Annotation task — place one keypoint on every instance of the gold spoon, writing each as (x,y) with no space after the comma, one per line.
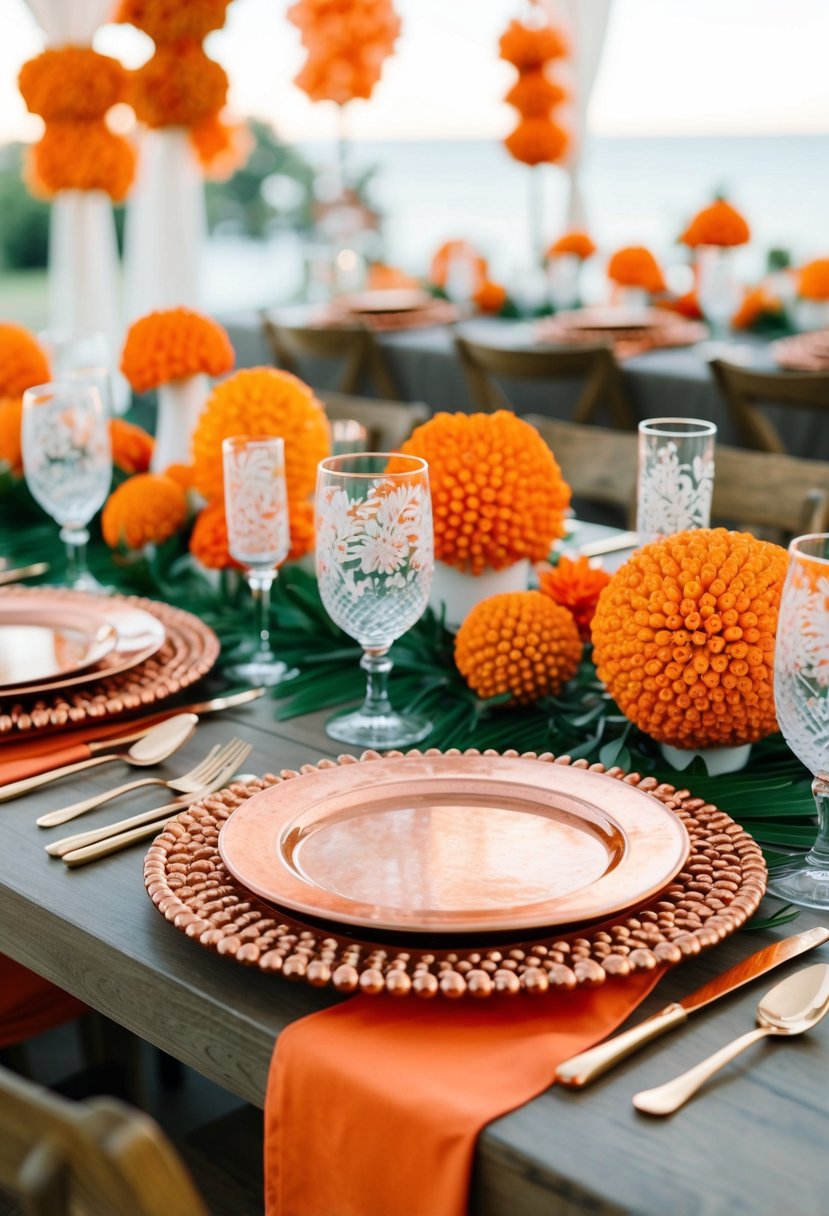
(791,1007)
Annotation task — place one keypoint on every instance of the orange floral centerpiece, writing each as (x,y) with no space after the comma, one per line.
(719,224)
(575,585)
(635,267)
(813,280)
(683,637)
(458,256)
(347,44)
(538,138)
(175,351)
(132,447)
(713,234)
(758,304)
(575,244)
(565,259)
(22,365)
(144,510)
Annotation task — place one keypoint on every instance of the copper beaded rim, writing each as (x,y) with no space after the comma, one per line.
(189,651)
(719,888)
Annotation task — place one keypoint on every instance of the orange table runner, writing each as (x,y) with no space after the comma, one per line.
(374,1107)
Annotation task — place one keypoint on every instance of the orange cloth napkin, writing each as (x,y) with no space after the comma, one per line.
(30,1005)
(373,1107)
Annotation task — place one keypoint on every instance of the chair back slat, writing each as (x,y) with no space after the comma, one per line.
(356,349)
(388,423)
(745,391)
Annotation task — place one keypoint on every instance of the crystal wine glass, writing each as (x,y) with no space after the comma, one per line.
(801,698)
(256,506)
(67,463)
(375,558)
(675,480)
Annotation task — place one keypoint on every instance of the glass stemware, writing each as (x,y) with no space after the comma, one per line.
(375,559)
(256,506)
(801,698)
(67,463)
(676,476)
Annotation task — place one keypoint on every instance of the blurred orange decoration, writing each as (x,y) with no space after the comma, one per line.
(144,510)
(686,305)
(132,447)
(813,280)
(635,266)
(459,250)
(222,147)
(757,302)
(171,345)
(178,87)
(575,585)
(490,296)
(22,362)
(381,277)
(208,540)
(11,419)
(172,20)
(538,138)
(347,43)
(575,244)
(719,224)
(72,88)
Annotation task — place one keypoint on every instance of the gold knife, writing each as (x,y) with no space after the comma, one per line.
(580,1070)
(215,705)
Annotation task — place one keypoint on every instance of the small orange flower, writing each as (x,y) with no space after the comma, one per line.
(144,510)
(172,21)
(719,224)
(533,95)
(537,141)
(576,585)
(490,297)
(813,280)
(181,473)
(173,344)
(527,47)
(11,417)
(518,642)
(132,447)
(498,495)
(80,155)
(450,251)
(179,86)
(208,540)
(684,634)
(72,82)
(576,243)
(756,303)
(22,362)
(636,266)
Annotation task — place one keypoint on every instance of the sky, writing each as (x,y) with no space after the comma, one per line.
(684,67)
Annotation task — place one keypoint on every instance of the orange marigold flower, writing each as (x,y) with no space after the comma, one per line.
(208,540)
(756,303)
(533,95)
(450,251)
(347,43)
(172,21)
(527,47)
(719,224)
(263,401)
(132,447)
(181,473)
(179,86)
(813,280)
(143,510)
(579,244)
(635,266)
(80,156)
(518,642)
(498,495)
(222,147)
(72,82)
(11,417)
(172,344)
(537,141)
(684,633)
(22,362)
(490,296)
(303,530)
(576,585)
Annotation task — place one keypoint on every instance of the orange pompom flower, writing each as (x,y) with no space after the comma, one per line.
(80,155)
(813,280)
(222,147)
(533,95)
(143,510)
(179,86)
(22,362)
(684,635)
(686,305)
(172,344)
(172,20)
(132,447)
(208,540)
(498,495)
(537,141)
(490,296)
(11,418)
(575,585)
(347,42)
(181,473)
(457,251)
(757,302)
(71,83)
(635,266)
(577,244)
(719,224)
(518,642)
(528,47)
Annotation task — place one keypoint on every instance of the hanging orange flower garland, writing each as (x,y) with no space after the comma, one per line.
(538,138)
(347,43)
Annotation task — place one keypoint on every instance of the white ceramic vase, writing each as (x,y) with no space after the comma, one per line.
(179,405)
(718,760)
(458,592)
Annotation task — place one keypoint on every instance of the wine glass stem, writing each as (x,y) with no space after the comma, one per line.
(377,665)
(75,540)
(819,852)
(260,584)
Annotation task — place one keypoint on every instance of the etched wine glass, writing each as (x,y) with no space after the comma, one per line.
(675,482)
(375,559)
(67,463)
(256,507)
(801,699)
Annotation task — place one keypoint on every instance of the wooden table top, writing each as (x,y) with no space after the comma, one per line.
(751,1144)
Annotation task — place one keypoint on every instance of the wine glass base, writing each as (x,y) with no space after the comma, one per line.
(264,672)
(382,732)
(801,881)
(89,583)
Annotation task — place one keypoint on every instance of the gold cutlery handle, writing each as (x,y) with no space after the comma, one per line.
(580,1070)
(91,852)
(15,788)
(68,844)
(667,1098)
(52,818)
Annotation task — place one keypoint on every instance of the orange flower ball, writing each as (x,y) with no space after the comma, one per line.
(72,82)
(132,447)
(11,417)
(173,344)
(179,87)
(172,21)
(263,401)
(80,156)
(208,540)
(527,47)
(498,495)
(579,244)
(22,363)
(347,43)
(518,642)
(144,510)
(813,280)
(490,296)
(683,637)
(537,141)
(635,266)
(533,95)
(719,224)
(575,585)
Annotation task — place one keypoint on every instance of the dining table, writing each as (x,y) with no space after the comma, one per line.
(753,1142)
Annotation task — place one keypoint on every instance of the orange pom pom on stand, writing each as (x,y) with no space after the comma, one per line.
(144,510)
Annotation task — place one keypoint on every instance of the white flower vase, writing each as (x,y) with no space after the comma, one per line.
(179,405)
(563,274)
(718,760)
(457,592)
(811,314)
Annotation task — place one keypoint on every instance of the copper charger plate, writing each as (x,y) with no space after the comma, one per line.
(803,352)
(454,844)
(408,299)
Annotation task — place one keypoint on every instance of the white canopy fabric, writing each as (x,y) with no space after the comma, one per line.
(70,20)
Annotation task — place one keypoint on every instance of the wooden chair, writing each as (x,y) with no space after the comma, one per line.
(356,348)
(596,365)
(388,423)
(772,495)
(745,390)
(88,1158)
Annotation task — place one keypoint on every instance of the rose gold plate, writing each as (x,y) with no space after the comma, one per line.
(454,844)
(136,634)
(393,300)
(41,643)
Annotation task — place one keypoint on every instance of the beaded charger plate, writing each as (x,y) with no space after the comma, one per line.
(188,651)
(718,888)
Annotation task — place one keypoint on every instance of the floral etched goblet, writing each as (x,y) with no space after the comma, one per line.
(375,558)
(67,463)
(676,476)
(256,507)
(801,699)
